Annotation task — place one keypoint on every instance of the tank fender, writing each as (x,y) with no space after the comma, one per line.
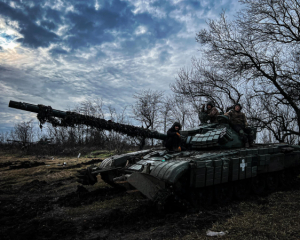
(120,160)
(170,171)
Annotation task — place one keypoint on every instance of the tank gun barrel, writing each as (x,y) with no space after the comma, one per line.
(70,119)
(35,108)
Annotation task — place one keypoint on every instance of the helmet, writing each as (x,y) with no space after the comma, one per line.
(238,104)
(177,124)
(211,103)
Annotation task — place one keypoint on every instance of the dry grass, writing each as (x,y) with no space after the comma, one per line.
(53,170)
(276,216)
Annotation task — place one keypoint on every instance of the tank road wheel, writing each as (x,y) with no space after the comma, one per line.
(272,181)
(202,197)
(258,184)
(241,189)
(223,193)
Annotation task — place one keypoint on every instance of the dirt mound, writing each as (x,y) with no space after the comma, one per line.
(47,228)
(93,161)
(80,165)
(6,164)
(34,186)
(18,212)
(26,164)
(83,197)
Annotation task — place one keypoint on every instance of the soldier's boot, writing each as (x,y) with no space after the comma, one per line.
(244,138)
(251,140)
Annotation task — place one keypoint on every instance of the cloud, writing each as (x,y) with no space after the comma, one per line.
(58,51)
(86,25)
(33,34)
(61,52)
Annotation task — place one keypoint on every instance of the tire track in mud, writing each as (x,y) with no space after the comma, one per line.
(38,211)
(20,164)
(41,210)
(32,214)
(83,197)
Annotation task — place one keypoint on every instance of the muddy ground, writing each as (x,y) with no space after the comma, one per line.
(40,199)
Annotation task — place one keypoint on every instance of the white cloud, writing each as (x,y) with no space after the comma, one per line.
(97,5)
(142,6)
(65,79)
(140,30)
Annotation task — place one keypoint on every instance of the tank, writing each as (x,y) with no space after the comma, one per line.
(214,167)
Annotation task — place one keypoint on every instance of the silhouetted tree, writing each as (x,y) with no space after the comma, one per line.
(24,131)
(147,108)
(255,56)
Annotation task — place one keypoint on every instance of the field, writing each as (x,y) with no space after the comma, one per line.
(40,199)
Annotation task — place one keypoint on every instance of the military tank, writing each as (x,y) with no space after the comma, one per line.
(214,167)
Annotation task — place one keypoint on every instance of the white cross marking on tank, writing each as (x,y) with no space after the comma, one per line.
(243,165)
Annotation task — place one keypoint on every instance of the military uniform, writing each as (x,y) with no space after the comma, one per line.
(173,141)
(239,124)
(237,118)
(211,113)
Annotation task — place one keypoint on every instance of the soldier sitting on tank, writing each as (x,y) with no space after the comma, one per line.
(173,142)
(211,112)
(239,124)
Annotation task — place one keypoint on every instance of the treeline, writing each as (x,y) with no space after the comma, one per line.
(151,110)
(31,137)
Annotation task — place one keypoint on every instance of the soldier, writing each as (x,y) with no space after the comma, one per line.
(239,124)
(174,139)
(211,111)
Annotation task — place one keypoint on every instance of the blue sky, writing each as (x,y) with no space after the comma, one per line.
(59,53)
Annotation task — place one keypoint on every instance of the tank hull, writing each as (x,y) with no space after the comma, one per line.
(159,174)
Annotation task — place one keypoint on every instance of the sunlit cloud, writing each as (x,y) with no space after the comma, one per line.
(8,34)
(97,5)
(60,53)
(140,30)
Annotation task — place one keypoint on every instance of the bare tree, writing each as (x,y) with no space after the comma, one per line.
(91,108)
(274,118)
(118,142)
(165,112)
(147,108)
(202,83)
(4,136)
(259,49)
(178,107)
(181,110)
(24,131)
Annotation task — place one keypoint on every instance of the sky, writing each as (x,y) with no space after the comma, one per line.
(62,52)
